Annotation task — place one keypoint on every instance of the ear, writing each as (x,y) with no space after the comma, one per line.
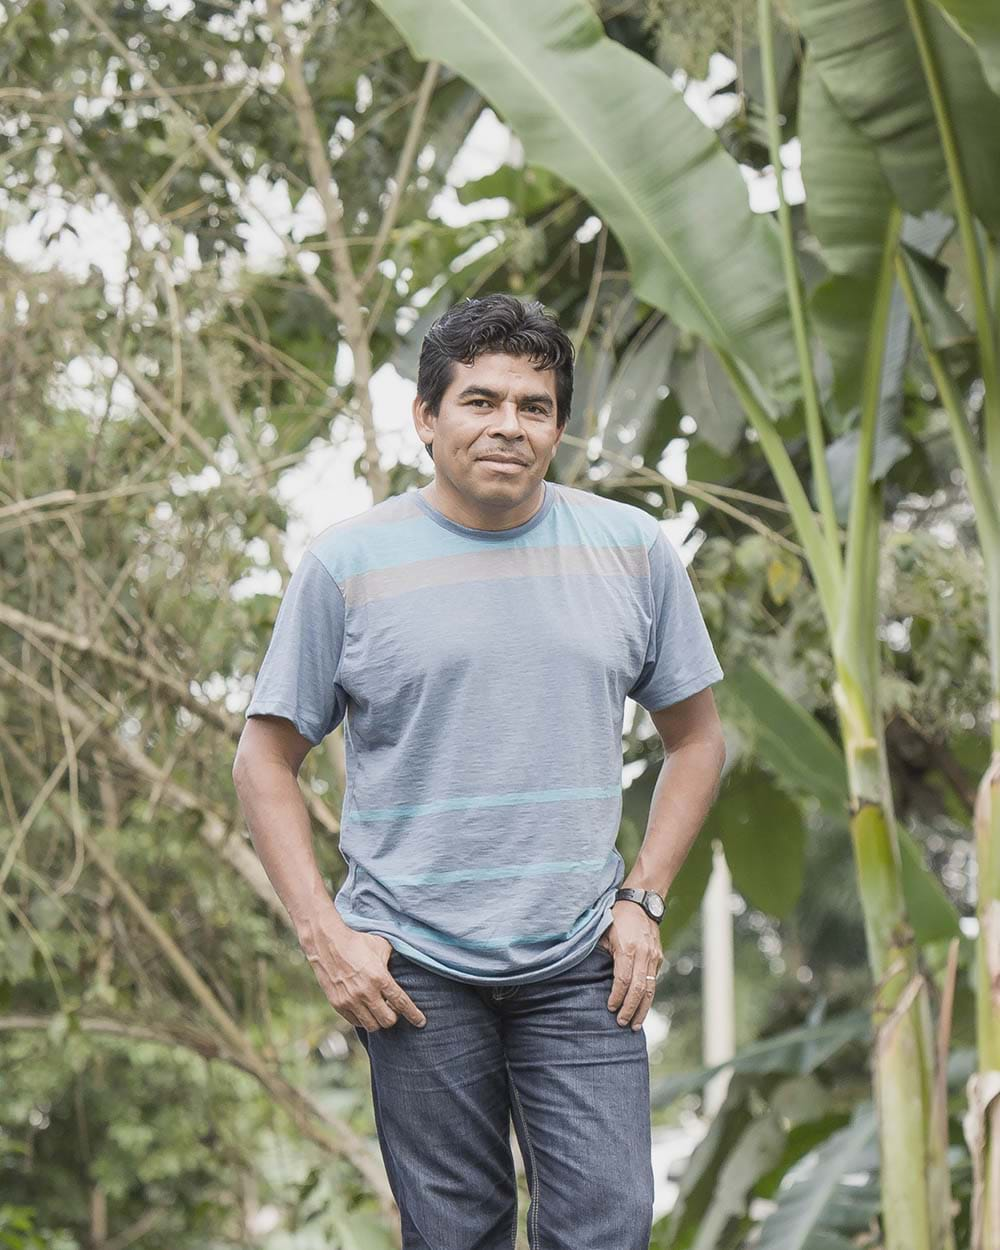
(422,421)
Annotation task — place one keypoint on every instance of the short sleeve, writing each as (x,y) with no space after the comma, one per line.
(680,658)
(299,677)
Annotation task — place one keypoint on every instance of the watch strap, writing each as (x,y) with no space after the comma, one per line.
(639,896)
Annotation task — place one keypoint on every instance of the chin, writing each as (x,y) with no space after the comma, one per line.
(517,486)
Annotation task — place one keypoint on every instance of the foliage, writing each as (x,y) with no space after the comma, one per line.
(151,413)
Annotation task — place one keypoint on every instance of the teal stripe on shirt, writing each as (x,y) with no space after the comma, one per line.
(507,940)
(492,874)
(568,794)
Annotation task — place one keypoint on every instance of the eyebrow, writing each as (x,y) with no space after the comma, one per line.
(486,392)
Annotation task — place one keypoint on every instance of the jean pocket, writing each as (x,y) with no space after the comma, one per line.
(396,961)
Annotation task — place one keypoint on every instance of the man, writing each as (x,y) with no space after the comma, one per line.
(478,637)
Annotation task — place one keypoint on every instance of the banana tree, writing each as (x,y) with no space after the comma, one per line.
(591,111)
(943,60)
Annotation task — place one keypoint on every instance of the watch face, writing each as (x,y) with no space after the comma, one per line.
(655,905)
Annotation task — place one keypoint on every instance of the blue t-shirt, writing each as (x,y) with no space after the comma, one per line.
(481,676)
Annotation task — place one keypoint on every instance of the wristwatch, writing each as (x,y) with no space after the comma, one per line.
(651,902)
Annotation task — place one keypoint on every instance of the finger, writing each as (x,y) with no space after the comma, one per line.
(634,998)
(401,1002)
(643,1010)
(365,1018)
(622,980)
(382,1012)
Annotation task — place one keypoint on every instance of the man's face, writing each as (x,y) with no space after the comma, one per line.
(495,432)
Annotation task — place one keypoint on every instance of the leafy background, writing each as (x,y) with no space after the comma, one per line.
(172,1074)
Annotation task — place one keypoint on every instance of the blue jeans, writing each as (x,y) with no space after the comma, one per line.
(547,1053)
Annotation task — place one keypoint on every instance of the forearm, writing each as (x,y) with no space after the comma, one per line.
(279,825)
(683,794)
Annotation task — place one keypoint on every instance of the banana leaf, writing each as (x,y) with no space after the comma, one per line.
(616,128)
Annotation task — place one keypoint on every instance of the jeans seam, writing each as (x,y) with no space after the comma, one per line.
(533,1239)
(513,1227)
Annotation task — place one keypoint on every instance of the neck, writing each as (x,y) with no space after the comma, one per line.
(476,514)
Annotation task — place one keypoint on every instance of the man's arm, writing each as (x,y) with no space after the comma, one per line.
(351,967)
(265,775)
(685,789)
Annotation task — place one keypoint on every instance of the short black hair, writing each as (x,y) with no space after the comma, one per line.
(495,323)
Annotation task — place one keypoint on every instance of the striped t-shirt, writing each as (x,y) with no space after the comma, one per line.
(481,676)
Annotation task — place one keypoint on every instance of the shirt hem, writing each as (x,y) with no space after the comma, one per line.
(288,712)
(399,944)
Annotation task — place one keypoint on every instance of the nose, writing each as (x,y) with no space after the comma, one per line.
(505,419)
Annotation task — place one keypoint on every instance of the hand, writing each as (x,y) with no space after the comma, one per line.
(633,939)
(354,975)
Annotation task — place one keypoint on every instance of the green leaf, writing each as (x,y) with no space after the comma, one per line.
(842,454)
(866,54)
(764,840)
(796,1051)
(930,910)
(591,378)
(707,396)
(632,396)
(848,341)
(847,208)
(847,205)
(847,196)
(698,1194)
(842,309)
(784,573)
(979,22)
(687,889)
(790,741)
(755,1153)
(946,328)
(362,1230)
(613,126)
(805,1206)
(529,190)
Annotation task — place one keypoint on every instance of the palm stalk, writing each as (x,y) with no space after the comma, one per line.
(984,1140)
(901,1060)
(914,1175)
(982,470)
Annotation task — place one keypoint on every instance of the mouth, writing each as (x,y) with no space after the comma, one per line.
(518,464)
